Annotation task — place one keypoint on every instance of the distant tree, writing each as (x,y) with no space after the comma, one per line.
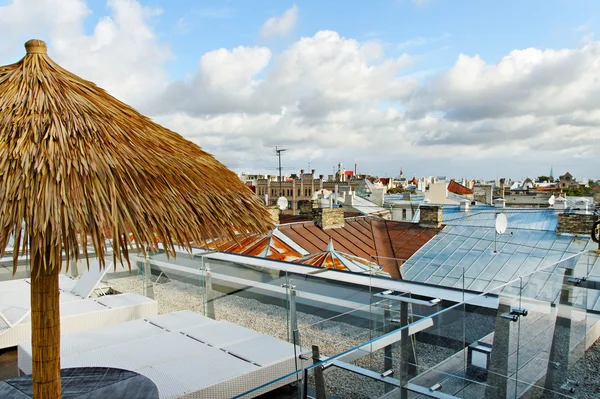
(544,179)
(577,192)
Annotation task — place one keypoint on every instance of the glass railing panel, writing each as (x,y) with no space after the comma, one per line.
(251,296)
(485,365)
(287,386)
(553,336)
(335,378)
(338,333)
(132,277)
(247,295)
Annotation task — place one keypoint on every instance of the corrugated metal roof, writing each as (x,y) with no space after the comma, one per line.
(272,246)
(372,239)
(520,252)
(485,216)
(385,242)
(332,259)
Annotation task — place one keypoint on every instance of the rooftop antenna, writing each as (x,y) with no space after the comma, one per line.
(278,151)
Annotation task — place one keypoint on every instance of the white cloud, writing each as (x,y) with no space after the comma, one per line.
(315,76)
(345,100)
(280,25)
(29,19)
(330,98)
(525,82)
(123,54)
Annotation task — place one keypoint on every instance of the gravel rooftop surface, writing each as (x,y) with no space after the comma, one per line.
(331,336)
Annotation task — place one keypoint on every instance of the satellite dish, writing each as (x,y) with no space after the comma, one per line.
(282,203)
(551,200)
(501,223)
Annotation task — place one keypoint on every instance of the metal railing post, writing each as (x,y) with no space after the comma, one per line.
(210,303)
(319,377)
(147,287)
(294,333)
(388,363)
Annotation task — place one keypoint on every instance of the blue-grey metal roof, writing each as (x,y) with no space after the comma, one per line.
(485,216)
(520,252)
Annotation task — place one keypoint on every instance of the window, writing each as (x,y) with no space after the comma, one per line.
(299,193)
(403,214)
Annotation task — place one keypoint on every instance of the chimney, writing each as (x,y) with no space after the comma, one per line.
(576,223)
(465,205)
(560,203)
(329,218)
(582,205)
(301,172)
(483,193)
(350,196)
(499,203)
(502,181)
(305,208)
(431,216)
(274,213)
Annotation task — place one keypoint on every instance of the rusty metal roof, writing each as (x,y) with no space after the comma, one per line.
(272,246)
(385,242)
(458,188)
(285,219)
(332,259)
(374,240)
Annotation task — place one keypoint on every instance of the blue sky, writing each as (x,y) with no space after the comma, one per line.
(437,31)
(451,87)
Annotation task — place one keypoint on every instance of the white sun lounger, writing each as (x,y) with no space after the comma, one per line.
(78,312)
(185,354)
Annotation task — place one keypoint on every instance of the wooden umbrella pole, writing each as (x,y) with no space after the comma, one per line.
(45,329)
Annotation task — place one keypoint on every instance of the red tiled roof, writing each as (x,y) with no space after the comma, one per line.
(457,188)
(378,240)
(349,173)
(384,180)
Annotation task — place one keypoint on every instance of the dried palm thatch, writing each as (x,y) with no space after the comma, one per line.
(78,166)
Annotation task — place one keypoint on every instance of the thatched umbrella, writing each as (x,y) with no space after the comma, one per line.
(78,166)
